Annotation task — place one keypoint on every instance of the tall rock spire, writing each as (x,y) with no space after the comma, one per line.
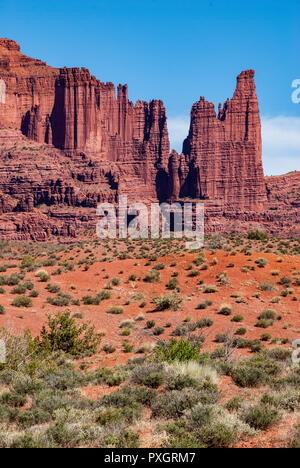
(224,151)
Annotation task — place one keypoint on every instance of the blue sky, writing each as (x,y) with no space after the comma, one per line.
(177,51)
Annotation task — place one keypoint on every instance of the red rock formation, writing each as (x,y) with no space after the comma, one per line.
(224,151)
(68,143)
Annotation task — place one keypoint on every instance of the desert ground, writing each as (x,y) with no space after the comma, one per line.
(233,306)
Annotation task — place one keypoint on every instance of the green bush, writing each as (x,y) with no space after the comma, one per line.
(261,262)
(177,350)
(151,375)
(257,235)
(260,417)
(19,289)
(218,436)
(33,293)
(63,333)
(264,323)
(225,310)
(268,314)
(204,322)
(247,376)
(152,276)
(22,301)
(169,301)
(172,284)
(115,310)
(209,289)
(61,300)
(237,318)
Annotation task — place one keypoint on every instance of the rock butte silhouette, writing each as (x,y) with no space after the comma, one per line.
(68,143)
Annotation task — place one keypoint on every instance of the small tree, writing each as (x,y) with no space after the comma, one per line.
(63,333)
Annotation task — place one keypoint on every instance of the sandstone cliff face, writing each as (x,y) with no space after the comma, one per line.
(68,142)
(75,112)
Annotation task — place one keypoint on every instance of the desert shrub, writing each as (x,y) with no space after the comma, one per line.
(177,350)
(127,324)
(168,301)
(53,288)
(152,276)
(115,281)
(194,273)
(127,347)
(218,436)
(29,285)
(63,333)
(34,293)
(279,354)
(109,349)
(150,323)
(132,277)
(285,281)
(123,439)
(223,278)
(267,286)
(174,403)
(241,331)
(257,235)
(234,404)
(151,375)
(264,323)
(13,399)
(247,376)
(172,284)
(22,301)
(158,331)
(110,415)
(237,318)
(89,300)
(209,289)
(204,322)
(268,314)
(260,417)
(43,276)
(194,374)
(28,441)
(2,310)
(61,300)
(265,337)
(159,266)
(103,295)
(261,262)
(19,289)
(225,310)
(295,442)
(275,300)
(116,310)
(32,417)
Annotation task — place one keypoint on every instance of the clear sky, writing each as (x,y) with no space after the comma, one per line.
(176,50)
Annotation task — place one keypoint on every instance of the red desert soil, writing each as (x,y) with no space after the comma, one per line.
(241,284)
